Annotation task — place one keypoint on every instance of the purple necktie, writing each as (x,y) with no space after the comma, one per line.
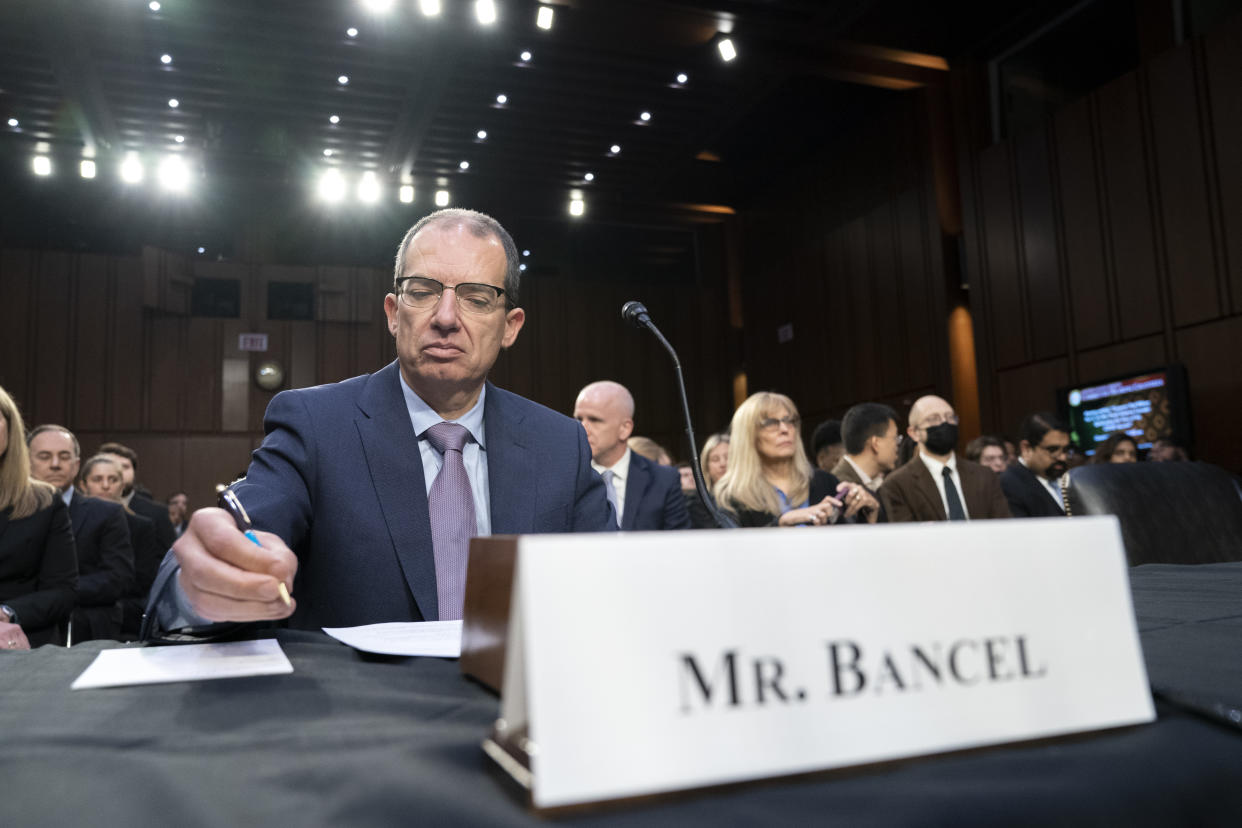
(451,504)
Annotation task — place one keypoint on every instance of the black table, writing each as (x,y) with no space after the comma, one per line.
(355,740)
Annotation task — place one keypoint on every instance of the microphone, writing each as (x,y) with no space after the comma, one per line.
(635,313)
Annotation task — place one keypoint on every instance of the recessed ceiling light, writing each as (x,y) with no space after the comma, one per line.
(485,11)
(331,185)
(406,193)
(351,32)
(502,99)
(481,134)
(525,56)
(522,267)
(87,168)
(589,177)
(727,51)
(430,8)
(131,169)
(380,6)
(525,252)
(334,119)
(442,198)
(368,188)
(173,103)
(165,59)
(342,79)
(327,153)
(615,149)
(42,165)
(202,250)
(577,207)
(544,17)
(464,165)
(180,139)
(13,122)
(173,174)
(153,5)
(682,77)
(646,116)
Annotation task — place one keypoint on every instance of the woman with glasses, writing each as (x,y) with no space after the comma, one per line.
(770,482)
(38,562)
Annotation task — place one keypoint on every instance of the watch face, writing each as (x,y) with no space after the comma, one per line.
(269,375)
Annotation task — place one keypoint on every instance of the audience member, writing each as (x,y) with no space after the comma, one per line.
(826,445)
(686,472)
(101,477)
(136,500)
(178,511)
(100,533)
(38,565)
(1117,448)
(644,494)
(769,480)
(988,451)
(650,449)
(872,440)
(1011,452)
(1166,451)
(714,458)
(1030,485)
(936,484)
(335,476)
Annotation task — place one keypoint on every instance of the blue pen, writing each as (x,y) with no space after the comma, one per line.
(230,503)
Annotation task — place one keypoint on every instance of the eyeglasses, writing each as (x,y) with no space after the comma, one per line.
(771,423)
(937,419)
(472,297)
(1055,451)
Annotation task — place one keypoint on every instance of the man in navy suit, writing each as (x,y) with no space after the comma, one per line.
(342,487)
(645,495)
(1031,485)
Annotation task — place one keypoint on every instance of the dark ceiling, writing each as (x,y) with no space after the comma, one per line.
(257,81)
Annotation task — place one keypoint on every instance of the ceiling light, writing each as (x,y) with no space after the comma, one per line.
(430,8)
(153,5)
(131,169)
(334,119)
(331,185)
(525,56)
(180,139)
(351,32)
(589,177)
(442,198)
(173,174)
(727,52)
(13,122)
(42,165)
(327,153)
(379,6)
(502,99)
(615,149)
(342,79)
(525,252)
(481,134)
(464,165)
(682,77)
(87,168)
(577,206)
(165,59)
(368,188)
(173,103)
(202,250)
(522,267)
(544,18)
(646,116)
(406,193)
(485,11)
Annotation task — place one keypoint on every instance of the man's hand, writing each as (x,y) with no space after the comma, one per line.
(858,499)
(12,637)
(226,577)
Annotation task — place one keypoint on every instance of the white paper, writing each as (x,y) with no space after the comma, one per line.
(187,662)
(403,638)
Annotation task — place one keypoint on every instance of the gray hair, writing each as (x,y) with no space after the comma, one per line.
(481,226)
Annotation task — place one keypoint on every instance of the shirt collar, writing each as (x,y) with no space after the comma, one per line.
(935,466)
(423,416)
(620,469)
(862,475)
(67,494)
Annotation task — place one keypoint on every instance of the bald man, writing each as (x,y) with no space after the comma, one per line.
(644,495)
(937,484)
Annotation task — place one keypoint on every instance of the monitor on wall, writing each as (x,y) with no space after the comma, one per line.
(1148,405)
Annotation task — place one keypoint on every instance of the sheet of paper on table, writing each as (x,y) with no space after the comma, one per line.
(403,638)
(188,662)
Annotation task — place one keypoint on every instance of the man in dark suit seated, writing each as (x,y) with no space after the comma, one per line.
(100,533)
(1030,485)
(936,484)
(126,460)
(366,492)
(644,495)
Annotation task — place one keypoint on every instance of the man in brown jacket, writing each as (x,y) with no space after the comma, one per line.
(936,484)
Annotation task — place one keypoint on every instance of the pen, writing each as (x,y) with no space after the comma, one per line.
(230,503)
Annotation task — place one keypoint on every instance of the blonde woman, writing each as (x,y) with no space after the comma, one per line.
(770,482)
(714,458)
(38,563)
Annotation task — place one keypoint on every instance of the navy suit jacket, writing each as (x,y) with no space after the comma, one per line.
(1027,496)
(653,498)
(105,566)
(339,478)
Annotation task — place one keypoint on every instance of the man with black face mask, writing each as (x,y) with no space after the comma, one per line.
(937,484)
(1030,485)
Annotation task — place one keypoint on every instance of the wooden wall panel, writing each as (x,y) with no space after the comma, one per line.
(1223,62)
(1214,372)
(54,312)
(1043,303)
(1083,239)
(1000,272)
(167,364)
(1114,360)
(1028,389)
(1184,214)
(127,368)
(887,332)
(17,315)
(914,331)
(90,351)
(199,375)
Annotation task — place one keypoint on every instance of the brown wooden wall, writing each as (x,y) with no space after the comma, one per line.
(105,346)
(1111,241)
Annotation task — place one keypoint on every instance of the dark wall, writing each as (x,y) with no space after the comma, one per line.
(1110,240)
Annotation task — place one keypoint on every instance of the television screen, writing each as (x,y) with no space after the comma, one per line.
(1149,406)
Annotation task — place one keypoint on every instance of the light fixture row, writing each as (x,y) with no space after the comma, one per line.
(485,11)
(172,173)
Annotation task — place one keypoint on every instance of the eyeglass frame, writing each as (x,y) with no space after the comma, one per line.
(769,423)
(397,288)
(940,420)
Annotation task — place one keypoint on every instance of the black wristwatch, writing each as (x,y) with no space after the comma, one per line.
(9,611)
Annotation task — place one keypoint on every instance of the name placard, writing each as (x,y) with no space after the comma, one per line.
(639,664)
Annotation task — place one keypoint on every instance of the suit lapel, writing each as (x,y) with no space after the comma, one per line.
(928,489)
(635,489)
(511,467)
(77,512)
(396,467)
